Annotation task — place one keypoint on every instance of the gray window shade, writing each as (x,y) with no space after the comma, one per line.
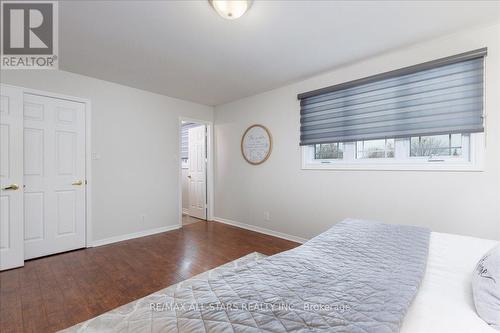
(442,96)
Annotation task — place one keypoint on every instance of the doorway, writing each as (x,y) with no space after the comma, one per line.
(194,158)
(45,166)
(54,175)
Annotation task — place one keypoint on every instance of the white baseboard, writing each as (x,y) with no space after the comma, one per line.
(133,235)
(261,230)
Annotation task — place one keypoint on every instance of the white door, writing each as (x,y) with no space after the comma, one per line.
(54,175)
(11,178)
(197,172)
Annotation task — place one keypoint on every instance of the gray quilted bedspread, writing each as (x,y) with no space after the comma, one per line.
(359,276)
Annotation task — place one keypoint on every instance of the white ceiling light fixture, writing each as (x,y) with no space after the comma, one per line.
(231,9)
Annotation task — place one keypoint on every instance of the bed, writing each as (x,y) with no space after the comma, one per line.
(376,277)
(444,301)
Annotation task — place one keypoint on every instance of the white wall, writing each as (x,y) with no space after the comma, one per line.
(306,202)
(136,134)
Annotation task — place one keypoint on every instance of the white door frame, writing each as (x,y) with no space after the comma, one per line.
(88,151)
(210,166)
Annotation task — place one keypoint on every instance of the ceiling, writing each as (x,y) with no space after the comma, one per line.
(184,49)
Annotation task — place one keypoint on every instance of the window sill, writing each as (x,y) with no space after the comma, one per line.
(429,166)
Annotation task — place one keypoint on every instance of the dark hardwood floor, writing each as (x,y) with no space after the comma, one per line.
(186,219)
(52,293)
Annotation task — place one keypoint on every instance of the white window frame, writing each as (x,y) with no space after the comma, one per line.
(402,161)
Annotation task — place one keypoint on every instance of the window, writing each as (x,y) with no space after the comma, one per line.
(436,145)
(329,151)
(454,152)
(428,116)
(375,148)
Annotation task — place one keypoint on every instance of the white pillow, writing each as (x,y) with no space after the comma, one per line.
(486,287)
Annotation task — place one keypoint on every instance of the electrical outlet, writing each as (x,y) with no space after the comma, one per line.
(267,216)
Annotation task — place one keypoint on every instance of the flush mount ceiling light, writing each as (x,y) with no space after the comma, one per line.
(231,9)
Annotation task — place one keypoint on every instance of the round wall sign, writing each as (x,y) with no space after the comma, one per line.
(256,144)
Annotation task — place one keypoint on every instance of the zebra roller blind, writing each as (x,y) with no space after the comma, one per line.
(440,96)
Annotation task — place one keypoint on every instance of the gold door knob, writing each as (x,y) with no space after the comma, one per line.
(77,183)
(11,187)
